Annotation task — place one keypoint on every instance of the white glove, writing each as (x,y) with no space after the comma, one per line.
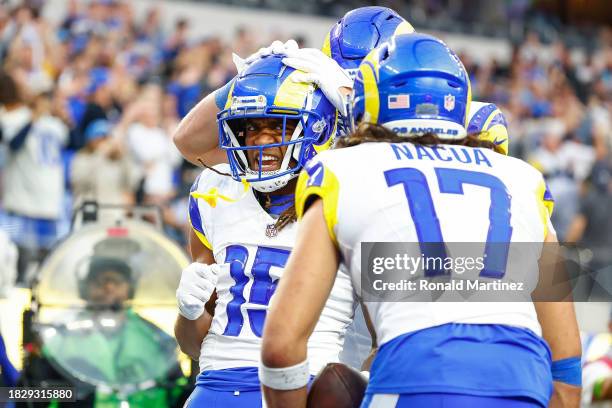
(322,71)
(277,47)
(197,285)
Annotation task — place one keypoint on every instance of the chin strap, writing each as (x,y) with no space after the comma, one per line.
(212,195)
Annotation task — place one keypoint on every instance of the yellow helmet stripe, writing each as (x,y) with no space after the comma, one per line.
(490,118)
(291,94)
(326,48)
(404,28)
(372,60)
(228,102)
(371,96)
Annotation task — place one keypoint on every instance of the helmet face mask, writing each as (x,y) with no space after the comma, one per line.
(299,104)
(295,144)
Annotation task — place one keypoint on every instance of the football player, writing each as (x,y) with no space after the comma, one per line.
(421,178)
(361,30)
(243,214)
(348,42)
(196,136)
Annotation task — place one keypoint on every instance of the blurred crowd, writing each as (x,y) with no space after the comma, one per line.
(558,103)
(88,108)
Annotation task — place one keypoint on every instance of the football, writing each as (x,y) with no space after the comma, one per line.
(337,386)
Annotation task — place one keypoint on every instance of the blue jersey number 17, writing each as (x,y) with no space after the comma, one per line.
(426,221)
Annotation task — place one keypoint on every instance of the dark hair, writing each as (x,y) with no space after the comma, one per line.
(9,91)
(368,132)
(286,217)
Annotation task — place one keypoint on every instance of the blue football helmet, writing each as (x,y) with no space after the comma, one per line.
(359,32)
(266,90)
(489,122)
(413,84)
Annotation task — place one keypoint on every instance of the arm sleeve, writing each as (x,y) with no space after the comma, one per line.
(19,139)
(546,204)
(318,181)
(195,218)
(16,126)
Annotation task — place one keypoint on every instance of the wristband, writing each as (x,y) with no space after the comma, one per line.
(568,370)
(285,378)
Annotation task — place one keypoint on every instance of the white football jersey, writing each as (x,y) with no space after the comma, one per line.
(34,175)
(370,192)
(252,256)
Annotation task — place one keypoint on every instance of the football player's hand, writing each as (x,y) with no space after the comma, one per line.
(323,71)
(197,284)
(277,47)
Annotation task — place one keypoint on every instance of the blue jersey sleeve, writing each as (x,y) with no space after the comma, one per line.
(195,219)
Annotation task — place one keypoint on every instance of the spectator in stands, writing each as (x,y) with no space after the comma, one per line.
(101,171)
(564,164)
(592,226)
(34,178)
(177,40)
(100,102)
(150,145)
(186,87)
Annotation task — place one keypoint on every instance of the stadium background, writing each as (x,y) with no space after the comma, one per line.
(142,65)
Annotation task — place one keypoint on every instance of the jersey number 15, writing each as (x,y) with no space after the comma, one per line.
(261,291)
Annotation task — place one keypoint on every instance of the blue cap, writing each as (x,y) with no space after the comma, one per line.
(97,129)
(98,77)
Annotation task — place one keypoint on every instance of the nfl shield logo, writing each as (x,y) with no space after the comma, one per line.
(271,231)
(449,102)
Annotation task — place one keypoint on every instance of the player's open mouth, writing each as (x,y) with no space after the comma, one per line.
(268,163)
